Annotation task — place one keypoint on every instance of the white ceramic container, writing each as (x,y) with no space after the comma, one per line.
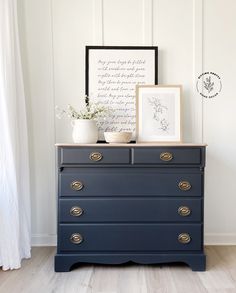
(84,131)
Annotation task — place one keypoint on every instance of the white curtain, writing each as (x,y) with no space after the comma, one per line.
(14,162)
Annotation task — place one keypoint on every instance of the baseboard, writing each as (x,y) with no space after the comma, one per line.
(43,240)
(210,239)
(220,239)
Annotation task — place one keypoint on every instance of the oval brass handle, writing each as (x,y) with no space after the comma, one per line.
(76,211)
(95,156)
(184,185)
(184,238)
(166,156)
(76,238)
(77,185)
(184,211)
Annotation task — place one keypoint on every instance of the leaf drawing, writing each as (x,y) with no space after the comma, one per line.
(158,108)
(164,125)
(208,85)
(159,112)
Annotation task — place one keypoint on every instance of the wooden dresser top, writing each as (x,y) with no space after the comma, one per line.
(132,145)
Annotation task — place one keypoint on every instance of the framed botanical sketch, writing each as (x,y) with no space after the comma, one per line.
(158,116)
(112,73)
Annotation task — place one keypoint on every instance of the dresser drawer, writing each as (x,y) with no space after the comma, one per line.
(93,156)
(129,237)
(129,210)
(167,156)
(133,182)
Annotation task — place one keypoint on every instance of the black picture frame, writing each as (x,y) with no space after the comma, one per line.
(88,49)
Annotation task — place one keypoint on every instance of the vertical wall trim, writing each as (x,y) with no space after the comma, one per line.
(53,67)
(98,22)
(197,102)
(53,88)
(147,22)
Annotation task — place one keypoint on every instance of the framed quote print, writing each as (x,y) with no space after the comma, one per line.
(112,73)
(158,116)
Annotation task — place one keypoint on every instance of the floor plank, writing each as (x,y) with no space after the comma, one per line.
(37,275)
(217,276)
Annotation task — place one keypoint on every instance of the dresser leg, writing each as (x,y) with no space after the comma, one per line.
(197,263)
(64,263)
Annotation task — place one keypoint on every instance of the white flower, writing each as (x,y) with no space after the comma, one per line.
(91,111)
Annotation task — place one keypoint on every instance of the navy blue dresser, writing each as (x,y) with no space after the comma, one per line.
(133,202)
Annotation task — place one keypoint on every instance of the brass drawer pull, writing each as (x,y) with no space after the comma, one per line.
(184,238)
(166,156)
(76,238)
(184,211)
(184,185)
(76,211)
(95,156)
(77,185)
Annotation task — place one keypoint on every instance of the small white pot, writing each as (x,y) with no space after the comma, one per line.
(84,131)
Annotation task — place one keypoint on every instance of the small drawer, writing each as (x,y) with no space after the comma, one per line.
(130,237)
(129,210)
(167,156)
(129,182)
(93,156)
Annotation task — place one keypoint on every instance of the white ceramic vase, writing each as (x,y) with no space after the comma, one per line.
(84,131)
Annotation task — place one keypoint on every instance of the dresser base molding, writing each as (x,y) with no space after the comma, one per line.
(65,262)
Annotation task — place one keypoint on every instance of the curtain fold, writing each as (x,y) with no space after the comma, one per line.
(15,227)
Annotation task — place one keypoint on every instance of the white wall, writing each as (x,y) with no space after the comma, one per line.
(219,120)
(190,38)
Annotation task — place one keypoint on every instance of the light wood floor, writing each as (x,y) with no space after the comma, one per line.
(37,275)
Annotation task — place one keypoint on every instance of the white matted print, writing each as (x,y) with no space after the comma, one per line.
(158,116)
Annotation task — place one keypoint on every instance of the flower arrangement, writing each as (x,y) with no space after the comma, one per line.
(90,112)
